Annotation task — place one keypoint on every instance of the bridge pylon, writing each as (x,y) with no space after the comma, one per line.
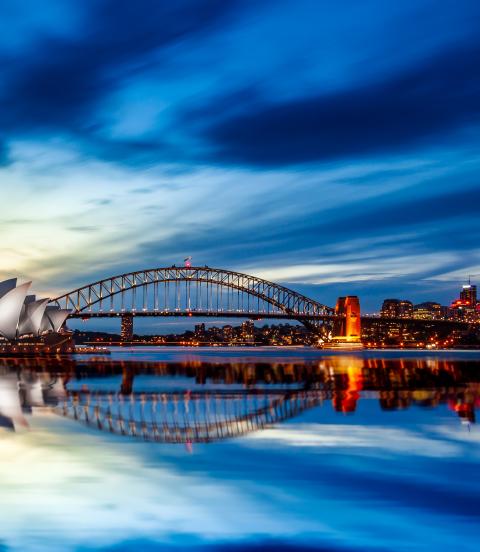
(347,328)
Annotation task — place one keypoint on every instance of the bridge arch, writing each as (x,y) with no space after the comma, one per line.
(202,292)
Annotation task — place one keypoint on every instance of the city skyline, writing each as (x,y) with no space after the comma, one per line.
(399,323)
(272,139)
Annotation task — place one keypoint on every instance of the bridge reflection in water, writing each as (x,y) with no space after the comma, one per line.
(194,401)
(186,417)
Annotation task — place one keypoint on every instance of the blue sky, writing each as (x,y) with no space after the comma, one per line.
(331,146)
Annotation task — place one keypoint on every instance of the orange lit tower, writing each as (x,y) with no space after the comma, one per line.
(348,328)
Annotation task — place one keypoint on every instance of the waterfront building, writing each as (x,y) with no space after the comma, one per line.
(427,311)
(469,295)
(126,328)
(247,332)
(228,333)
(397,308)
(23,315)
(466,307)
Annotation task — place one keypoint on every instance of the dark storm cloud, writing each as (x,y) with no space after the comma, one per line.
(425,103)
(60,83)
(396,211)
(59,88)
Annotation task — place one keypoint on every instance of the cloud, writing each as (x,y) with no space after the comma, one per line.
(59,85)
(133,136)
(426,103)
(377,438)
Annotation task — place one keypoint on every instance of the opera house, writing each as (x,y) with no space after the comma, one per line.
(23,316)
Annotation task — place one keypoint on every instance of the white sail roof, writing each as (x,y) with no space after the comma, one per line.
(53,319)
(22,314)
(7,285)
(31,316)
(11,303)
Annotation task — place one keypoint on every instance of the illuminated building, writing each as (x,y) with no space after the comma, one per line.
(247,332)
(466,307)
(199,330)
(427,311)
(397,308)
(469,295)
(405,309)
(126,331)
(227,333)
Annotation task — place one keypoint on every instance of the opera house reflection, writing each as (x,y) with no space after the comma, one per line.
(195,401)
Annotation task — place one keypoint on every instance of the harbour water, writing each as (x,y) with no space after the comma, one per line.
(240,449)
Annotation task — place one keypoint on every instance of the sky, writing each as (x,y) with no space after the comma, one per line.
(329,146)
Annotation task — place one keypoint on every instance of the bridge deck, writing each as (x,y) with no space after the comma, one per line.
(204,314)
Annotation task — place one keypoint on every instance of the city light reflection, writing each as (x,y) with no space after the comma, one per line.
(299,451)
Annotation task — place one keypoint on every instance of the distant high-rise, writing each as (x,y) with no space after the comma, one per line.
(465,308)
(248,331)
(228,333)
(126,330)
(469,295)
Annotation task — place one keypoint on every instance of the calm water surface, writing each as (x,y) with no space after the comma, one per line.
(240,449)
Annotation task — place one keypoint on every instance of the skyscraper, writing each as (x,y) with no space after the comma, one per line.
(469,295)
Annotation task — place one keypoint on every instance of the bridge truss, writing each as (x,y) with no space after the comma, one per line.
(193,291)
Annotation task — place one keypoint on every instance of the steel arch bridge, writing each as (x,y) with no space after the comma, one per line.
(203,292)
(199,291)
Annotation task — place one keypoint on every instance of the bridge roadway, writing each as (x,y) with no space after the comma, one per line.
(205,314)
(366,320)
